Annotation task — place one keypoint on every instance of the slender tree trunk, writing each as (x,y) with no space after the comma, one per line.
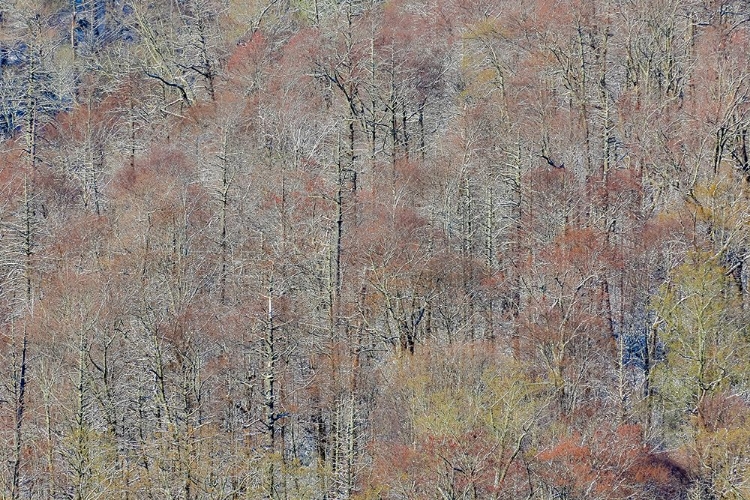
(20,394)
(81,464)
(224,200)
(269,382)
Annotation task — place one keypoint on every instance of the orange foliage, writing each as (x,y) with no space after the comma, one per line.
(612,463)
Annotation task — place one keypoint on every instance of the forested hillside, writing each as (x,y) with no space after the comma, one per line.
(367,249)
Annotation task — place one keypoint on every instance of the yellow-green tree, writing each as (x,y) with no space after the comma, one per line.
(455,423)
(705,369)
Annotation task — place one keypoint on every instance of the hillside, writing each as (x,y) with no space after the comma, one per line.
(365,249)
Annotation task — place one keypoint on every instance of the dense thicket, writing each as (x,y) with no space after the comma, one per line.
(447,249)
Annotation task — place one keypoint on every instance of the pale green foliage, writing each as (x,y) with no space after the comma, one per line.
(704,334)
(454,396)
(472,414)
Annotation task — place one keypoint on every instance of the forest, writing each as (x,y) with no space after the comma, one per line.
(375,249)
